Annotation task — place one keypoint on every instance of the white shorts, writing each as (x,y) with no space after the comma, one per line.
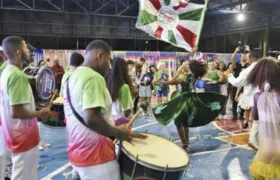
(3,155)
(224,89)
(25,164)
(106,171)
(145,91)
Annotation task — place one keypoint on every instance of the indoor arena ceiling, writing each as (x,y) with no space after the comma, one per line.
(129,8)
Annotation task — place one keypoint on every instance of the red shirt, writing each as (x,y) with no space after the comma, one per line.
(58,69)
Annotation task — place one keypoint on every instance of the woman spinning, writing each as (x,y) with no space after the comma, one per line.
(186,108)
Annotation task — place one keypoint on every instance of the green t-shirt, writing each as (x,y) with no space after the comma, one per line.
(164,77)
(67,68)
(3,66)
(63,82)
(124,102)
(88,90)
(21,135)
(17,85)
(125,97)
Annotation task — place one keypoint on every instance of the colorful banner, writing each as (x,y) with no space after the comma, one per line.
(134,55)
(119,54)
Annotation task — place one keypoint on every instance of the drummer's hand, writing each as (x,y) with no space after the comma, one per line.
(127,135)
(44,113)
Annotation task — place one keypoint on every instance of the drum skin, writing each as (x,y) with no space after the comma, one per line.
(149,170)
(42,82)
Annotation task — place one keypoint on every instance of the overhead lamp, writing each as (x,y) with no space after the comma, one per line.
(240,17)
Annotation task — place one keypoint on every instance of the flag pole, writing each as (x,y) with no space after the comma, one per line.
(201,22)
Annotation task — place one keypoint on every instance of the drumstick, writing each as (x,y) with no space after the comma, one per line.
(52,99)
(143,107)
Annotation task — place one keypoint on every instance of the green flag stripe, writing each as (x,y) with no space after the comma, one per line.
(146,18)
(167,2)
(191,15)
(171,37)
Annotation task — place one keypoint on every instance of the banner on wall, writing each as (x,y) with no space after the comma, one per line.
(119,54)
(152,57)
(133,55)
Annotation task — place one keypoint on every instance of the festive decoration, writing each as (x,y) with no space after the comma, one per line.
(172,21)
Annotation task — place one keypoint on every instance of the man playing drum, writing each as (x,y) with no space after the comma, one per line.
(87,111)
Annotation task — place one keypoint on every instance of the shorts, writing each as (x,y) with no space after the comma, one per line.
(145,91)
(162,93)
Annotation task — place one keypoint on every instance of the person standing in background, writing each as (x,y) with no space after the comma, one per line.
(248,94)
(161,90)
(238,68)
(139,65)
(145,90)
(133,78)
(120,88)
(76,60)
(221,67)
(213,78)
(18,114)
(59,71)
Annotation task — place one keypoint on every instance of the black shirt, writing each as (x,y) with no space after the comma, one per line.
(147,79)
(239,68)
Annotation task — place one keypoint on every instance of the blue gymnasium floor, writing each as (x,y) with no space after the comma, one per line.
(210,158)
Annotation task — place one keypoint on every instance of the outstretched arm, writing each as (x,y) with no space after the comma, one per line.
(172,81)
(233,61)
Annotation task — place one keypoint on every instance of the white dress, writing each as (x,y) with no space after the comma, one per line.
(247,98)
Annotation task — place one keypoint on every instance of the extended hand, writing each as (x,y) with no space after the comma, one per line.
(127,135)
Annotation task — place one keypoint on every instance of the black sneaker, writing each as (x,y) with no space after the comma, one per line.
(242,118)
(234,118)
(245,126)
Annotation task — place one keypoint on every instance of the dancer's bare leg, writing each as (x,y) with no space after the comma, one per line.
(186,128)
(182,134)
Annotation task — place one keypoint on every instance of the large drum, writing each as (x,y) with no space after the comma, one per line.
(154,158)
(42,81)
(57,116)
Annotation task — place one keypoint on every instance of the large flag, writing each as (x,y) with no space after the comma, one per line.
(172,21)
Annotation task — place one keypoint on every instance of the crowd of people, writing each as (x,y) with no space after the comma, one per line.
(101,94)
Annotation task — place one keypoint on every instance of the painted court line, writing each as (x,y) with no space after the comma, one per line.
(145,125)
(214,151)
(59,170)
(215,124)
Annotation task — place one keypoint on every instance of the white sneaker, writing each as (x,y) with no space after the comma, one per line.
(40,148)
(44,145)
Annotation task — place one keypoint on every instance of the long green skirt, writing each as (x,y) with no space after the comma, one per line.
(190,109)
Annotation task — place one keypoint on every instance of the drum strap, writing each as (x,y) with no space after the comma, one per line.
(71,105)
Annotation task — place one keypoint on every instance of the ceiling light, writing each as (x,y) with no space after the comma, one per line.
(240,17)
